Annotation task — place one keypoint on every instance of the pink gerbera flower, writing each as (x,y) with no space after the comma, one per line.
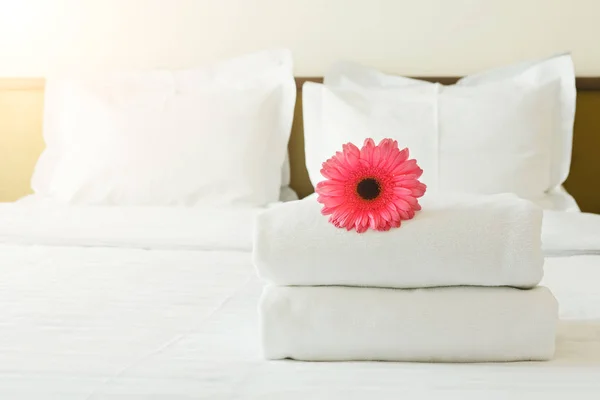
(375,187)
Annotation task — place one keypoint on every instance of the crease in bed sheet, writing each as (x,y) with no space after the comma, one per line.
(72,317)
(170,342)
(169,228)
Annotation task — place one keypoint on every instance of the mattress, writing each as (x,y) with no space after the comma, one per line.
(139,320)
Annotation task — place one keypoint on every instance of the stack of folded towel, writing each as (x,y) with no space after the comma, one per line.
(455,284)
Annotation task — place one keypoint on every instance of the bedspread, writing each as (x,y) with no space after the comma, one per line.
(88,321)
(106,323)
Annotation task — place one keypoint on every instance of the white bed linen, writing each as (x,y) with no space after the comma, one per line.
(122,323)
(570,233)
(101,323)
(39,222)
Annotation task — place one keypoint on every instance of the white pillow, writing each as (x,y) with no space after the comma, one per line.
(210,136)
(333,117)
(487,139)
(536,73)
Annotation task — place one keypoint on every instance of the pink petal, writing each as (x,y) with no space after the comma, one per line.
(369,142)
(331,191)
(332,201)
(418,191)
(372,224)
(330,185)
(328,210)
(359,219)
(384,228)
(407,181)
(404,214)
(405,167)
(341,162)
(376,156)
(366,153)
(385,214)
(387,147)
(352,154)
(330,163)
(411,200)
(333,173)
(393,211)
(399,158)
(402,205)
(401,191)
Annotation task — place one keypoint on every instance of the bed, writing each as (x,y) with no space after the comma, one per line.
(136,320)
(109,304)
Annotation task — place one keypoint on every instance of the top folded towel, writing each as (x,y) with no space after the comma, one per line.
(455,240)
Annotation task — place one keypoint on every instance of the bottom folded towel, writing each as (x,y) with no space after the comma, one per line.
(450,324)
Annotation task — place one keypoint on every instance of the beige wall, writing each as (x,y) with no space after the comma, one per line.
(422,37)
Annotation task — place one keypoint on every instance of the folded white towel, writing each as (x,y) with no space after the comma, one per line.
(454,324)
(454,240)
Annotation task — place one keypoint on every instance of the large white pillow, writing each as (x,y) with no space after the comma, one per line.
(534,73)
(537,73)
(209,136)
(486,139)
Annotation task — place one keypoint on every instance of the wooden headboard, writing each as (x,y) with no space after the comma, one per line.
(21,108)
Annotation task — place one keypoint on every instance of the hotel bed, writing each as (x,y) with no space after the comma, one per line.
(140,316)
(161,303)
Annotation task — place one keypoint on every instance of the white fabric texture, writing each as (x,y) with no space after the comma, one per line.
(287,194)
(116,323)
(453,324)
(558,199)
(537,73)
(454,240)
(171,228)
(538,157)
(208,136)
(567,234)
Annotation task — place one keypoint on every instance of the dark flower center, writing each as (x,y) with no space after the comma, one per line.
(368,189)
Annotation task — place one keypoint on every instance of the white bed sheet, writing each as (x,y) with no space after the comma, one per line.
(37,222)
(130,323)
(102,323)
